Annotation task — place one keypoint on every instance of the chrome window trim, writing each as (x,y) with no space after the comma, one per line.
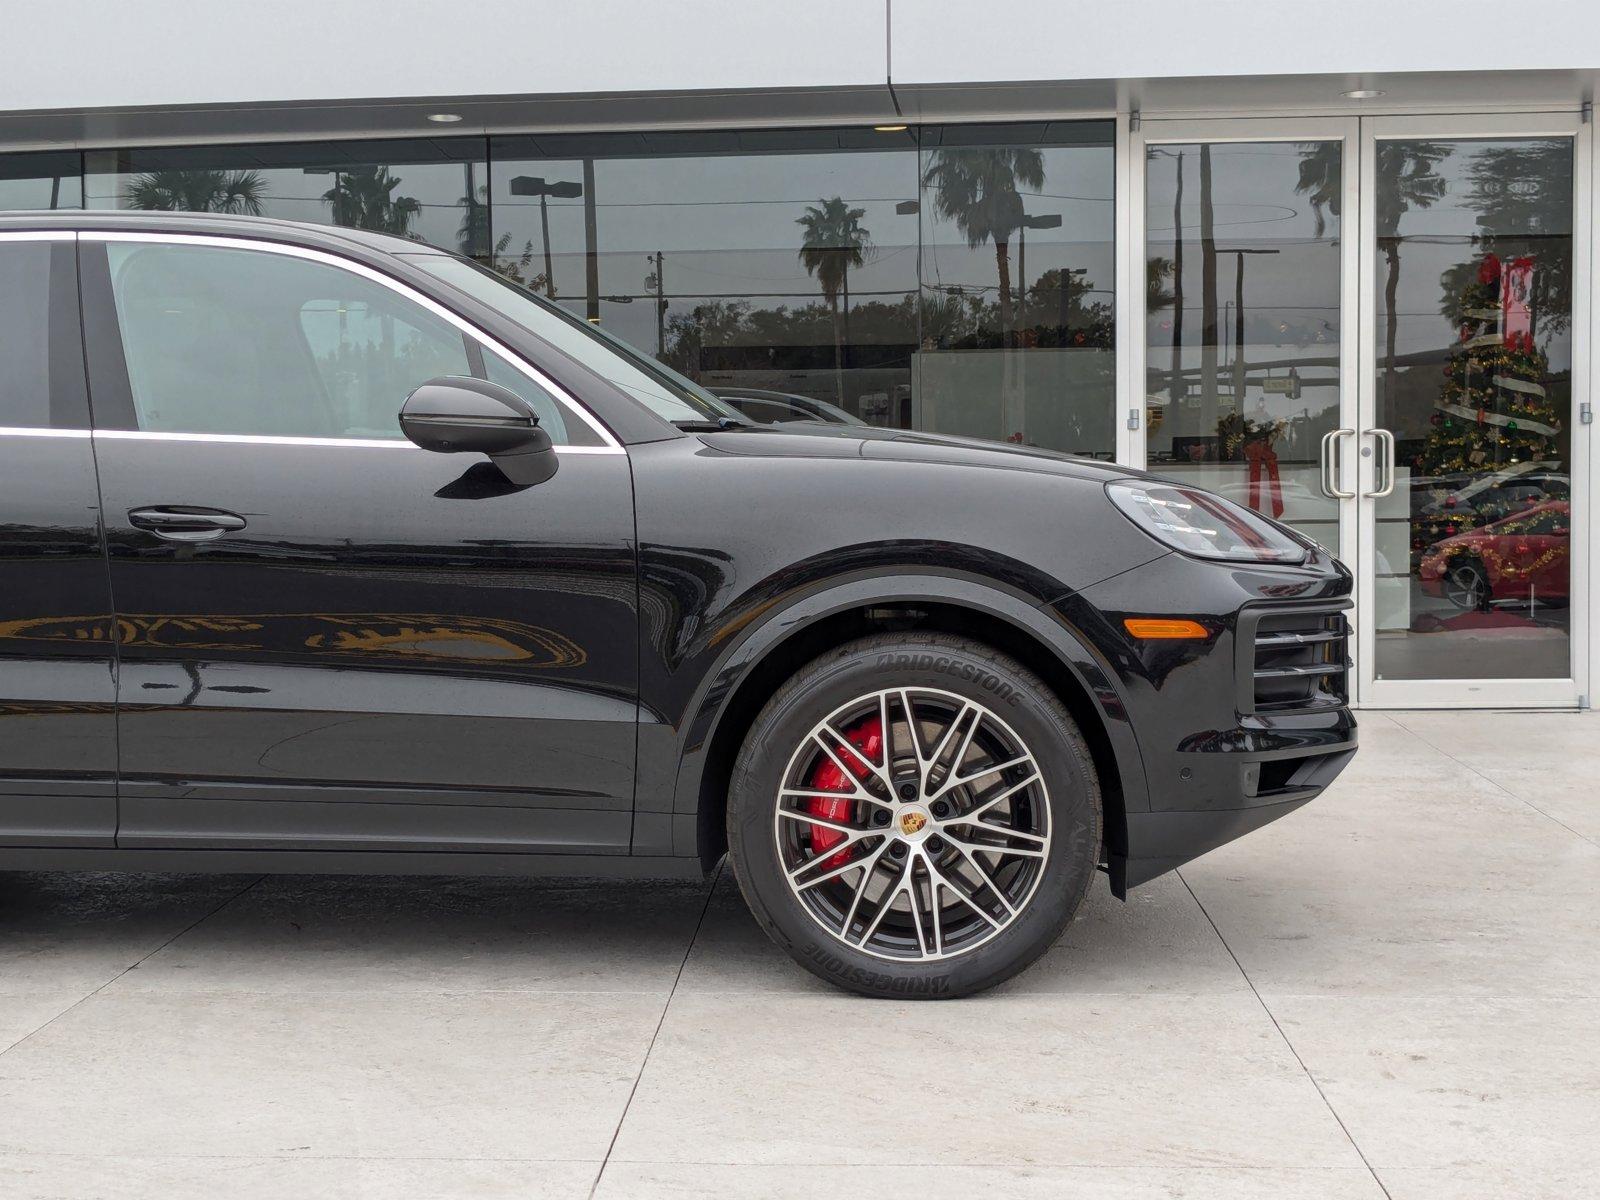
(266,439)
(609,445)
(35,431)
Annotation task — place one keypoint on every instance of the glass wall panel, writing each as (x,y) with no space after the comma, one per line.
(1243,285)
(955,279)
(49,180)
(963,287)
(1473,347)
(778,262)
(1018,227)
(430,191)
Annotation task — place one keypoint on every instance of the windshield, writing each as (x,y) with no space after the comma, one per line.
(658,387)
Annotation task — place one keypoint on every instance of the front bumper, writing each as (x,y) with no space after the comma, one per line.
(1236,731)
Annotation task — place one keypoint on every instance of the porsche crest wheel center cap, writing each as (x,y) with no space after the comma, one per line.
(913,821)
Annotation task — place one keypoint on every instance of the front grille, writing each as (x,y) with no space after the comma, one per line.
(1293,660)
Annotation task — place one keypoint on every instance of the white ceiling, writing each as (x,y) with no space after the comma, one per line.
(287,69)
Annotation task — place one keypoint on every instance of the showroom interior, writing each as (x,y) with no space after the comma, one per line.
(1356,303)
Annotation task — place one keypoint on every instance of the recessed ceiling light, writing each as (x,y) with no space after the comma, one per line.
(1362,93)
(888,129)
(444,118)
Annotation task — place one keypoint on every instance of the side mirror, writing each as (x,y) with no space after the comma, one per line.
(458,415)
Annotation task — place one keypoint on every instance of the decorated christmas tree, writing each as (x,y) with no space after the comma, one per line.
(1493,412)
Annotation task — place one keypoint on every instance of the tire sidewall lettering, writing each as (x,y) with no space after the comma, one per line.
(957,668)
(844,970)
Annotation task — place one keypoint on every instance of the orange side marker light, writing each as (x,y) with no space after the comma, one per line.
(1164,629)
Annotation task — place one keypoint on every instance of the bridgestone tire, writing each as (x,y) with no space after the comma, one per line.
(947,664)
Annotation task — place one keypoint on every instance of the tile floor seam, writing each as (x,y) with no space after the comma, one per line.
(1002,1164)
(1523,800)
(711,891)
(1452,997)
(281,1157)
(326,993)
(1018,994)
(1271,1016)
(84,999)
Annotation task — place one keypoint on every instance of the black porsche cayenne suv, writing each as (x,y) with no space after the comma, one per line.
(327,551)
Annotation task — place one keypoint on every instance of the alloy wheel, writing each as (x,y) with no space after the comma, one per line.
(912,824)
(1465,587)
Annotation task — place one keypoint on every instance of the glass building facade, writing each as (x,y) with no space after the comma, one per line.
(1375,329)
(954,279)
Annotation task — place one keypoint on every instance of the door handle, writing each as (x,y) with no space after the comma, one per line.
(183,523)
(1386,456)
(1331,461)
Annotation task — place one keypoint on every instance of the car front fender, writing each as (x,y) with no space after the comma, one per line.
(668,815)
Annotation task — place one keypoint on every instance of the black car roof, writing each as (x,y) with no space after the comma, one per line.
(269,229)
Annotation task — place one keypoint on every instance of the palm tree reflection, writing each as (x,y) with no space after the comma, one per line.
(177,190)
(978,190)
(834,241)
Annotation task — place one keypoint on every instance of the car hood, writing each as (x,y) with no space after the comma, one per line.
(901,445)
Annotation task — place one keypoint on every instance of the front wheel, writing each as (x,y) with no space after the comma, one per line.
(1466,585)
(914,815)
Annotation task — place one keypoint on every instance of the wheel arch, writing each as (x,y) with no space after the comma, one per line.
(735,691)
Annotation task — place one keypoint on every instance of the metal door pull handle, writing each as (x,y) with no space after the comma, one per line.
(1386,440)
(1330,463)
(183,523)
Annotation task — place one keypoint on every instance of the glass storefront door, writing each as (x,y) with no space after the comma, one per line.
(1470,523)
(1374,330)
(1249,311)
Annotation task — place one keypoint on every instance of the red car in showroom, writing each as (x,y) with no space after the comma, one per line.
(1520,557)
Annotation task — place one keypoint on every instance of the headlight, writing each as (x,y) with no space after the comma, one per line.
(1201,524)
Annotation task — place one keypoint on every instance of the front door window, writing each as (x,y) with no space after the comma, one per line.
(246,342)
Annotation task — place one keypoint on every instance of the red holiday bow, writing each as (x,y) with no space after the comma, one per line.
(1263,460)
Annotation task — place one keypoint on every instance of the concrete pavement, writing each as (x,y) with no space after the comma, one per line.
(1395,991)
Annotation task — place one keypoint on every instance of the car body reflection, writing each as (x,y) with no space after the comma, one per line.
(399,637)
(1520,558)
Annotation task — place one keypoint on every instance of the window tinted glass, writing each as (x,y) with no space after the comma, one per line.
(655,386)
(371,349)
(250,342)
(769,413)
(549,412)
(24,347)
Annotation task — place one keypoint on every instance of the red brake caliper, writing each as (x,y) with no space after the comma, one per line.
(867,737)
